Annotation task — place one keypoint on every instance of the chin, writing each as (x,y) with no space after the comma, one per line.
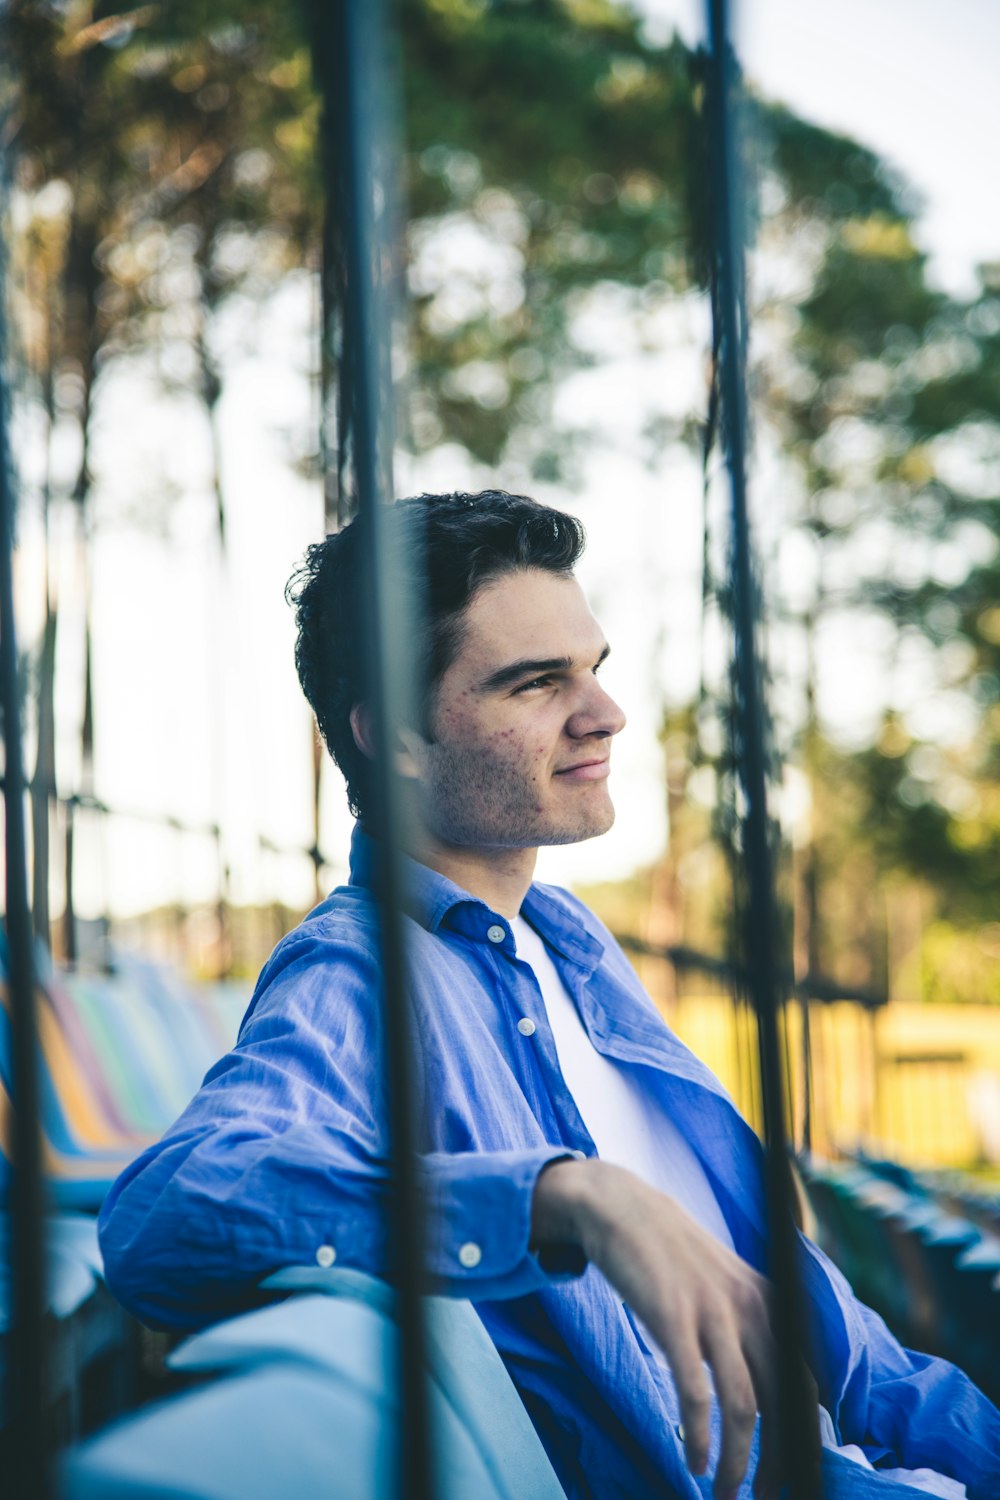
(580,832)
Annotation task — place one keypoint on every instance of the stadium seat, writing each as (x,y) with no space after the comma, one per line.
(937,1281)
(76,1180)
(88,1333)
(306,1404)
(121,1054)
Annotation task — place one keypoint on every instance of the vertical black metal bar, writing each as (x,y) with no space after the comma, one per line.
(69,861)
(26,1340)
(348,38)
(806,1056)
(223,908)
(799,1420)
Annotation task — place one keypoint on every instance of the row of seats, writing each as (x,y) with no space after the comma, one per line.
(300,1398)
(120,1055)
(933,1273)
(953,1190)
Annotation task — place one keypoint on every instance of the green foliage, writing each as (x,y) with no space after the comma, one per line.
(829,176)
(562,153)
(558,133)
(167,123)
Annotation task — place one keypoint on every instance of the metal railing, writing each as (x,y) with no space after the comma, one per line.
(799,1431)
(29,1470)
(349,60)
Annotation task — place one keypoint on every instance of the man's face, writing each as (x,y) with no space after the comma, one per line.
(521,725)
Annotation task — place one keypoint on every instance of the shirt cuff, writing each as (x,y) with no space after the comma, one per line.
(478,1215)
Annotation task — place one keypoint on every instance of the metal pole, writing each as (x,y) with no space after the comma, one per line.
(69,911)
(798,1415)
(26,1340)
(348,36)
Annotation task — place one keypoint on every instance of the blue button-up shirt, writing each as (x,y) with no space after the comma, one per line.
(281,1159)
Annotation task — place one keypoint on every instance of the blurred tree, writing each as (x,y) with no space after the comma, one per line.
(554,165)
(889,398)
(135,164)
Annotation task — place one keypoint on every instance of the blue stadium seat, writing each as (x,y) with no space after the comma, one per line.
(305,1403)
(88,1332)
(74,1264)
(936,1278)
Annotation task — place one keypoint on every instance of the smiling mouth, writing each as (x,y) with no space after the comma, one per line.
(588,770)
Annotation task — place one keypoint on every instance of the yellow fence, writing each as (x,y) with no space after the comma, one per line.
(920,1083)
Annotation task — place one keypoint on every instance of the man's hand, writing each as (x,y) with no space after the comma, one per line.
(701,1303)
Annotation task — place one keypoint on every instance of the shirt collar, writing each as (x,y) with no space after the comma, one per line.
(436,902)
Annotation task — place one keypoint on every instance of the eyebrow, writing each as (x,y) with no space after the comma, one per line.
(527,667)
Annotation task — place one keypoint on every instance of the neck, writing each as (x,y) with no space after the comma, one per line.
(500,877)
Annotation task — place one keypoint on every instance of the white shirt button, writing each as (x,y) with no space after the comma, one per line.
(526,1026)
(325,1256)
(470,1255)
(496,933)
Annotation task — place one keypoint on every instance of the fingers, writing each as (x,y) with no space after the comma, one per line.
(738,1397)
(738,1344)
(717,1344)
(738,1403)
(694,1390)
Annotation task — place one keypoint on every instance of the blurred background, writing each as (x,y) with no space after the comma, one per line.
(163,229)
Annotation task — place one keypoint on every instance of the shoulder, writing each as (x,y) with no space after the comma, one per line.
(332,951)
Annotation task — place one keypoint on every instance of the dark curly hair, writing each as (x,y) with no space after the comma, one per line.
(462,541)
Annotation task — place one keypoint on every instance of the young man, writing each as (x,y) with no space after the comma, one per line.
(589,1185)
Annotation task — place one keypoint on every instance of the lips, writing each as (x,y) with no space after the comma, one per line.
(587,770)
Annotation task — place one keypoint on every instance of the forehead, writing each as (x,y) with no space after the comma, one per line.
(532,614)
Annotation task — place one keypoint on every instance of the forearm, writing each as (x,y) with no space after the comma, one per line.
(189,1230)
(575,1203)
(555,1204)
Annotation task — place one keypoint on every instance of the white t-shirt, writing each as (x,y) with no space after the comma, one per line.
(627,1127)
(631,1130)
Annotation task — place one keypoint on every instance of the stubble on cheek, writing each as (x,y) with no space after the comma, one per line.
(493,794)
(486,792)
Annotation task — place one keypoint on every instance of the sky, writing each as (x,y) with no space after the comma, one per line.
(915,79)
(181,734)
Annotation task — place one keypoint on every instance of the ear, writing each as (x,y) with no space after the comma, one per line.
(410,748)
(408,744)
(361,728)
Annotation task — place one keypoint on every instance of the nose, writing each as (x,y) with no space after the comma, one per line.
(597,715)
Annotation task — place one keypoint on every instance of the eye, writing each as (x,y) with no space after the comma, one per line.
(536,682)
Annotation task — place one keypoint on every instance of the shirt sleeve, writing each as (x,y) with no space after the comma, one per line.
(282,1159)
(906,1409)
